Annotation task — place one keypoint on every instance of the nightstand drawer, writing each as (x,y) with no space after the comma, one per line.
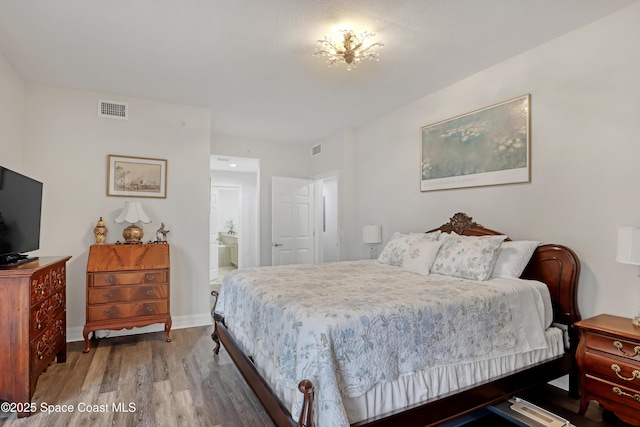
(128,278)
(614,346)
(124,311)
(616,370)
(617,394)
(128,294)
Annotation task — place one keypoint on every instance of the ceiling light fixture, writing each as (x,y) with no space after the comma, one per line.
(351,50)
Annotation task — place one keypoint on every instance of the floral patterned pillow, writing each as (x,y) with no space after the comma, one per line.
(421,255)
(399,246)
(468,257)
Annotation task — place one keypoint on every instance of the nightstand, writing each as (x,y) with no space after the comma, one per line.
(127,287)
(609,360)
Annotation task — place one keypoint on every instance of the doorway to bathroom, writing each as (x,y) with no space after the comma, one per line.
(234,216)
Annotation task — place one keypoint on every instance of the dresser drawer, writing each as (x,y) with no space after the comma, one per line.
(40,286)
(128,278)
(614,346)
(615,393)
(44,348)
(617,370)
(124,311)
(44,312)
(127,293)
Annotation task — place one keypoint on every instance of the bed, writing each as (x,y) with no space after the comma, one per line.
(333,346)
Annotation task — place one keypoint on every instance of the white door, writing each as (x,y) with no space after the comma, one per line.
(292,221)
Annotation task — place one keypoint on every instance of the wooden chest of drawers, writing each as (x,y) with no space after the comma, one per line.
(609,360)
(127,287)
(33,326)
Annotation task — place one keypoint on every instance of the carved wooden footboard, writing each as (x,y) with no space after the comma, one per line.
(555,265)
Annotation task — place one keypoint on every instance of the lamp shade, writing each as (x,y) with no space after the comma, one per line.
(628,245)
(372,234)
(133,213)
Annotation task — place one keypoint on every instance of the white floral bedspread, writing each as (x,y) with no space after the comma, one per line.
(349,325)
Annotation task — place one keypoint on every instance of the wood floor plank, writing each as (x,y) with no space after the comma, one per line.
(163,404)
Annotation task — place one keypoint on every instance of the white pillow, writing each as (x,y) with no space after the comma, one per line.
(469,257)
(421,255)
(399,246)
(427,236)
(513,257)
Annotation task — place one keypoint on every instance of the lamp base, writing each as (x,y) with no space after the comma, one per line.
(133,234)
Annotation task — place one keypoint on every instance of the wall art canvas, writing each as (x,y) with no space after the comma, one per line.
(136,177)
(489,146)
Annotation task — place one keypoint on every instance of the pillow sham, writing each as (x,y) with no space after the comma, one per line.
(427,236)
(398,246)
(513,257)
(468,257)
(422,253)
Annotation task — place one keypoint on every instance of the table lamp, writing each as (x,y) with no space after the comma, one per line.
(133,213)
(629,252)
(372,234)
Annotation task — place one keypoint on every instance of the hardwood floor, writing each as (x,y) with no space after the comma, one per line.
(177,384)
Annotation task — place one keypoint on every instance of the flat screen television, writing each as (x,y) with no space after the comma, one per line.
(20,211)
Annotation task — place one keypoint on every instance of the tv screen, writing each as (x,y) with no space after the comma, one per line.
(20,209)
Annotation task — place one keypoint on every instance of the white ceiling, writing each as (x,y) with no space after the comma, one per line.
(250,61)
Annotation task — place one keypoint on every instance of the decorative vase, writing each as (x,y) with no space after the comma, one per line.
(100,231)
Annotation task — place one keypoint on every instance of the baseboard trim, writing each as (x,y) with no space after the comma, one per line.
(178,322)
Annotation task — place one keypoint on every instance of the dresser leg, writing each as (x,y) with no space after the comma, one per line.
(167,329)
(61,357)
(87,345)
(583,406)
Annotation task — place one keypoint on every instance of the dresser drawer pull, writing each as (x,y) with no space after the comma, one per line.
(618,345)
(149,277)
(150,292)
(150,308)
(635,374)
(108,279)
(107,313)
(618,392)
(107,296)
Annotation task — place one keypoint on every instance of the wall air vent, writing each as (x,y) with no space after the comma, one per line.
(115,110)
(316,149)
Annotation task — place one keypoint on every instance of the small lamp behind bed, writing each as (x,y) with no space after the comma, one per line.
(629,252)
(372,234)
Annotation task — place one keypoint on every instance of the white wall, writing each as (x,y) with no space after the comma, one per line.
(276,159)
(11,116)
(338,154)
(66,146)
(585,152)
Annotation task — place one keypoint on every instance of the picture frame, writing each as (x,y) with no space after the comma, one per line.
(136,177)
(488,146)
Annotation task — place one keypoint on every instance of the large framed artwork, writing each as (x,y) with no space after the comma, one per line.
(489,146)
(136,177)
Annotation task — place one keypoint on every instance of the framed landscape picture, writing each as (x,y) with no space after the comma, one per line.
(490,146)
(136,177)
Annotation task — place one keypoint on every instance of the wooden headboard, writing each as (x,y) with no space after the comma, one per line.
(555,265)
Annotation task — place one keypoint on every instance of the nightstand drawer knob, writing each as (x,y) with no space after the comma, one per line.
(150,292)
(635,374)
(149,277)
(618,345)
(150,308)
(618,392)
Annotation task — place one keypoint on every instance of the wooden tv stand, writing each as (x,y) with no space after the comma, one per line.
(33,326)
(127,287)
